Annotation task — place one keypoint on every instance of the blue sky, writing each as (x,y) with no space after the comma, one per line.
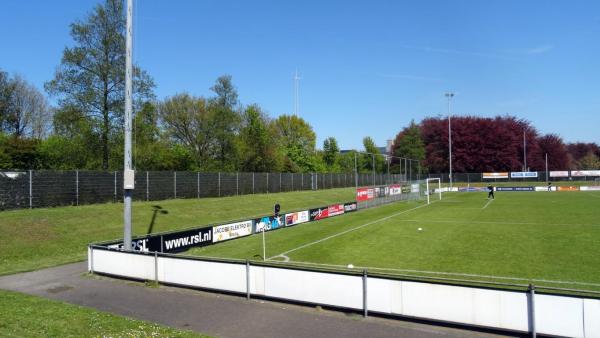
(367,67)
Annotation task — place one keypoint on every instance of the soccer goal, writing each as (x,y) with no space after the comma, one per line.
(428,191)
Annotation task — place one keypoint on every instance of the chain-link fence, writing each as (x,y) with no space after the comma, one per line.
(34,189)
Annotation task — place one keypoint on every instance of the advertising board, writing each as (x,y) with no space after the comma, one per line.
(590,188)
(515,189)
(395,189)
(414,187)
(334,210)
(364,194)
(559,174)
(350,207)
(232,230)
(582,173)
(405,189)
(524,174)
(171,242)
(268,223)
(319,213)
(472,189)
(294,218)
(567,188)
(495,175)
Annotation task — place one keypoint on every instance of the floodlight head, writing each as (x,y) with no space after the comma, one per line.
(449,95)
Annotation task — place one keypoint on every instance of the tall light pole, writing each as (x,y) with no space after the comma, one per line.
(524,151)
(449,96)
(128,173)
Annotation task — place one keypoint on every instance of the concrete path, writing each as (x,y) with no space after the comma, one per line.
(211,313)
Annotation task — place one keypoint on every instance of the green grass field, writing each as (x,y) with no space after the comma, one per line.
(549,239)
(38,238)
(28,316)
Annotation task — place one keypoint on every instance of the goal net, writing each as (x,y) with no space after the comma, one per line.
(371,196)
(433,186)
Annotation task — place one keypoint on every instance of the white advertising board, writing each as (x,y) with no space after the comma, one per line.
(294,218)
(233,230)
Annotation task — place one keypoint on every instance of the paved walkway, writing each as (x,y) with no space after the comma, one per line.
(211,313)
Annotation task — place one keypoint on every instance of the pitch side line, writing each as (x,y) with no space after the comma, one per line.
(347,231)
(450,274)
(494,222)
(488,203)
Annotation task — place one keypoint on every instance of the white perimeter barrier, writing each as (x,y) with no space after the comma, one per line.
(487,307)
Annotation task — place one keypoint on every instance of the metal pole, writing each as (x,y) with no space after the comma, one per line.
(267,183)
(427,190)
(524,152)
(264,243)
(279,182)
(302,181)
(128,107)
(147,186)
(373,160)
(532,309)
(30,189)
(355,171)
(365,305)
(219,184)
(547,179)
(253,183)
(76,187)
(292,181)
(449,96)
(156,266)
(115,185)
(247,279)
(237,183)
(175,184)
(440,188)
(198,184)
(92,259)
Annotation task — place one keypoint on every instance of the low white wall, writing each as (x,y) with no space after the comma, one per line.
(554,315)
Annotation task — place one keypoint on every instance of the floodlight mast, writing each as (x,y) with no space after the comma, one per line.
(128,175)
(449,96)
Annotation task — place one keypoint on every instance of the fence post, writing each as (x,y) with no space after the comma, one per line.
(77,187)
(30,189)
(237,183)
(279,182)
(156,266)
(147,186)
(267,183)
(219,184)
(247,279)
(365,306)
(175,184)
(91,259)
(292,181)
(532,309)
(115,185)
(198,184)
(252,182)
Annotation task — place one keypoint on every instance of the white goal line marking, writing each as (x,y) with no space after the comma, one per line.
(488,203)
(448,273)
(347,231)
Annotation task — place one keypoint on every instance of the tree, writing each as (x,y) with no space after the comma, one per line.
(558,157)
(367,159)
(258,151)
(296,141)
(226,123)
(92,73)
(589,162)
(24,111)
(188,122)
(409,144)
(330,152)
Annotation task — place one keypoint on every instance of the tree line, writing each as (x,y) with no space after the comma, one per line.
(481,144)
(181,132)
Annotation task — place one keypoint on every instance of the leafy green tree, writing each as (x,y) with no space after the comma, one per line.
(257,149)
(409,143)
(367,159)
(296,141)
(330,152)
(589,162)
(91,76)
(225,122)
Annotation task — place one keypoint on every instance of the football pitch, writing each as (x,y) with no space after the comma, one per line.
(549,239)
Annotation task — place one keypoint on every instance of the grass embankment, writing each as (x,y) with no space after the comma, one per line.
(38,238)
(28,316)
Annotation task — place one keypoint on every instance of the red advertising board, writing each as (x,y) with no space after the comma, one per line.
(364,194)
(336,209)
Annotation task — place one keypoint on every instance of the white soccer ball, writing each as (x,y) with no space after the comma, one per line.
(420,229)
(350,266)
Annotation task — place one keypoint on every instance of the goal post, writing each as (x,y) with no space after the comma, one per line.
(439,184)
